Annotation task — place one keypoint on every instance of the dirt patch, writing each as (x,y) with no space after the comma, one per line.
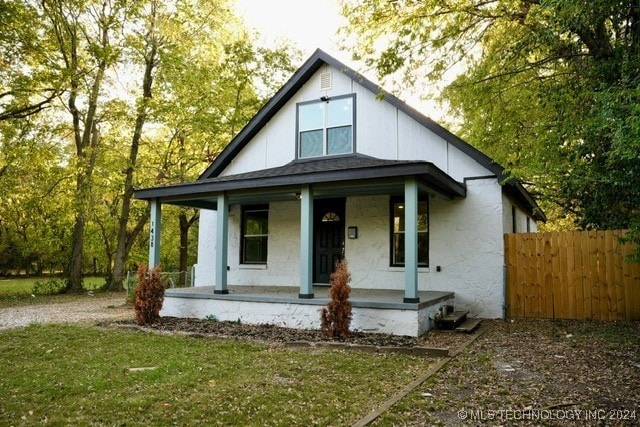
(100,306)
(534,372)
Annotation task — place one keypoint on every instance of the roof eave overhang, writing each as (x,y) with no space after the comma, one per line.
(431,178)
(516,190)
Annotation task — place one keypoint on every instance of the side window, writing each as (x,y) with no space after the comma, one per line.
(398,229)
(255,234)
(325,127)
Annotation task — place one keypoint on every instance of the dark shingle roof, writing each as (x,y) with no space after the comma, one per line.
(332,164)
(323,170)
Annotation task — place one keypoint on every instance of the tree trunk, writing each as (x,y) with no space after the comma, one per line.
(124,240)
(117,273)
(83,190)
(116,276)
(185,225)
(74,278)
(68,29)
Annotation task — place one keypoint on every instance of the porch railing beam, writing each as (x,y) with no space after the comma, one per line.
(306,242)
(155,223)
(222,246)
(411,241)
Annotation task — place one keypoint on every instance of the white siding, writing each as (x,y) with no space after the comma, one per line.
(465,241)
(205,269)
(283,266)
(382,131)
(418,143)
(376,126)
(521,218)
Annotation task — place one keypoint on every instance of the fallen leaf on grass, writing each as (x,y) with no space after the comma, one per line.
(146,368)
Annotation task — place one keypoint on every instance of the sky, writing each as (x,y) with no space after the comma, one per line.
(281,20)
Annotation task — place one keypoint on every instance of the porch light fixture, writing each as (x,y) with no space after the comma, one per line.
(352,232)
(298,196)
(324,98)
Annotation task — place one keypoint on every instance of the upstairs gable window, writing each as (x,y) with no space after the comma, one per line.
(325,127)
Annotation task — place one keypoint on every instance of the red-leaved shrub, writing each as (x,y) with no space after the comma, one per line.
(336,317)
(149,295)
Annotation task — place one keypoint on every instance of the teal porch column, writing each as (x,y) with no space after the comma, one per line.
(411,241)
(222,237)
(306,243)
(155,222)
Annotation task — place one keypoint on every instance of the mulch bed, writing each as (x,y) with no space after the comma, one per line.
(281,335)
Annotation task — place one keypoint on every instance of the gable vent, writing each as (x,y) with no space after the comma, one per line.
(325,81)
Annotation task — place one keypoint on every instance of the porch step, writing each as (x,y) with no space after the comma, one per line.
(469,326)
(452,320)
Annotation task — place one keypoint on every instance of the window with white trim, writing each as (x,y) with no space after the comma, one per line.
(325,127)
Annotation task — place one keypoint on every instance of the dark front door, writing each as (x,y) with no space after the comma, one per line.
(328,237)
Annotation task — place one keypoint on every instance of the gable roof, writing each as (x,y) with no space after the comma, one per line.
(319,58)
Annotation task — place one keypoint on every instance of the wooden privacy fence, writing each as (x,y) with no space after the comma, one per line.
(571,275)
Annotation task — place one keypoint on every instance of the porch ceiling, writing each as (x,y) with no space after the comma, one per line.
(338,176)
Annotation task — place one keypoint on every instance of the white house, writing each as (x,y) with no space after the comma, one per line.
(333,166)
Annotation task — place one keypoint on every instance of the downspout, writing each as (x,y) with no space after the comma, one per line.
(504,292)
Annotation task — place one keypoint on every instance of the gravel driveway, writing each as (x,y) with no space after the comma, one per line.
(82,308)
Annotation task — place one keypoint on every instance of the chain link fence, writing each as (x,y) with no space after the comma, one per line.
(174,279)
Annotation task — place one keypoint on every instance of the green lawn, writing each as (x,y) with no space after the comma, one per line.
(81,375)
(17,291)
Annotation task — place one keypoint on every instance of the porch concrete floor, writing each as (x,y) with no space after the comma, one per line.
(369,298)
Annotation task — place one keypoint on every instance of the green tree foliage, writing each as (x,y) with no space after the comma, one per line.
(32,86)
(550,89)
(33,184)
(100,97)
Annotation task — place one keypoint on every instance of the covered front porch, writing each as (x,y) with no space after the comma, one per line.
(302,187)
(374,310)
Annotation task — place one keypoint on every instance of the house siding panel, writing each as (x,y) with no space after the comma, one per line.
(466,241)
(252,157)
(521,218)
(205,268)
(461,166)
(282,268)
(418,143)
(377,126)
